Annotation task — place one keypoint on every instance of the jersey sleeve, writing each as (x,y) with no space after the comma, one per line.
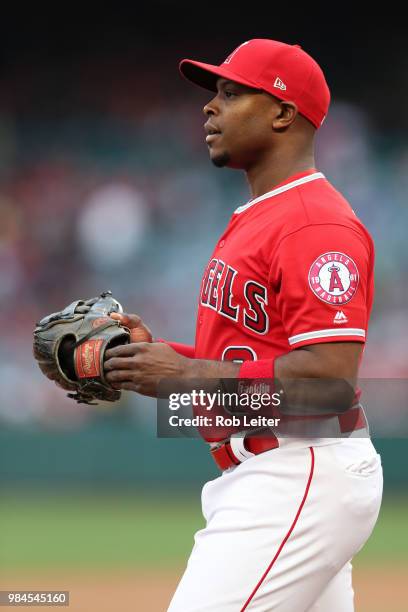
(322,276)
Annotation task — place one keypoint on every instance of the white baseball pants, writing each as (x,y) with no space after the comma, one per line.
(281,530)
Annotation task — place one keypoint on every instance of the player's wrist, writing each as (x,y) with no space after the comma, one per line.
(258,377)
(262,368)
(205,368)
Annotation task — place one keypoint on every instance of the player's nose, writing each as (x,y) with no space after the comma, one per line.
(211,107)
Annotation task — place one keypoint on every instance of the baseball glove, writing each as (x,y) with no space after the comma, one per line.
(70,347)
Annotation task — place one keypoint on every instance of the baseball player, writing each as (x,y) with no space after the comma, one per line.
(286,294)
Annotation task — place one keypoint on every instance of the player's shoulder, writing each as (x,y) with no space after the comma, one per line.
(306,207)
(319,203)
(314,202)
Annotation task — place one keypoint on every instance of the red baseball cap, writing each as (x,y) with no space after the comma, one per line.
(285,71)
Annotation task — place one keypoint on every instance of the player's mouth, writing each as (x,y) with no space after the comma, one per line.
(212,132)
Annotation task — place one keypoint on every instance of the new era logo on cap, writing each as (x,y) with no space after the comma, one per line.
(279,84)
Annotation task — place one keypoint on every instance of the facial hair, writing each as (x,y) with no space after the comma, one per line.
(221,160)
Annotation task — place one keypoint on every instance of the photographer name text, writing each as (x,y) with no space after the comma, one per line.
(222,421)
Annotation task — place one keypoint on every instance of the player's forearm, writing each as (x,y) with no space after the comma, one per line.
(315,379)
(206,368)
(327,360)
(315,361)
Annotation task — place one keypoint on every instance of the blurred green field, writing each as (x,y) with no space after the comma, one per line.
(95,530)
(124,531)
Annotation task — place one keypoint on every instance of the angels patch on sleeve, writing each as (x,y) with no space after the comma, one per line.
(333,278)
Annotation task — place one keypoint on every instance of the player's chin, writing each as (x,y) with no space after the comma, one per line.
(220,158)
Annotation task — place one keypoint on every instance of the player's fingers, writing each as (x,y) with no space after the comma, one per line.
(139,332)
(125,350)
(116,386)
(118,376)
(127,386)
(119,363)
(129,320)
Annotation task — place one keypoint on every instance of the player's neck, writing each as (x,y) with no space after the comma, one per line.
(274,170)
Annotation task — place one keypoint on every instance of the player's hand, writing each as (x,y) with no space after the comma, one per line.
(139,332)
(141,365)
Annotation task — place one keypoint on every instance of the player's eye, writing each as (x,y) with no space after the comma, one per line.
(229,94)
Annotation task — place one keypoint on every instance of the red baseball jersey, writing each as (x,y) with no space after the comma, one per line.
(293,267)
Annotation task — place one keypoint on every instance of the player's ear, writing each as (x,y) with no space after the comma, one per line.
(286,115)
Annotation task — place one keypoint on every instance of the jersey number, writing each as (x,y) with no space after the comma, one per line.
(239,354)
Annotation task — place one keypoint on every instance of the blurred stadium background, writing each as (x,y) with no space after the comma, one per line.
(105,183)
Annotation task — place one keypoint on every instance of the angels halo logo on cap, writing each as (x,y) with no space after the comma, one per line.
(333,278)
(231,55)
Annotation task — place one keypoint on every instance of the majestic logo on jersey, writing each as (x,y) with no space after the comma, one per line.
(340,318)
(333,278)
(218,291)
